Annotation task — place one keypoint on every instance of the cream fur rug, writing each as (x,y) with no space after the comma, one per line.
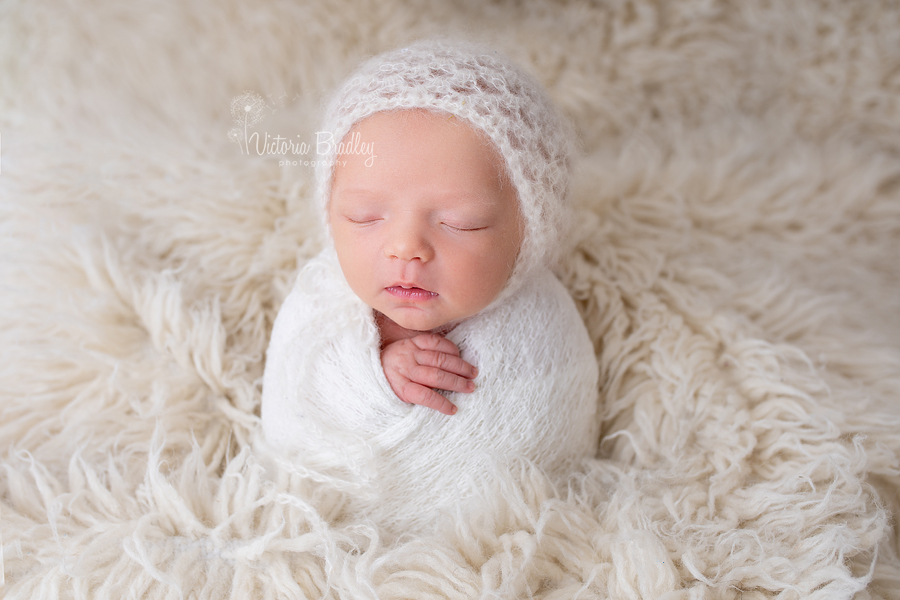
(737,265)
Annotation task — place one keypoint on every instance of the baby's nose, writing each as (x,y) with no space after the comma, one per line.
(408,243)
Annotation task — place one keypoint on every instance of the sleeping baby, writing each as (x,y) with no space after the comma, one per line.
(430,342)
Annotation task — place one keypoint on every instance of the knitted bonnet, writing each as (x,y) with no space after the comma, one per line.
(491,94)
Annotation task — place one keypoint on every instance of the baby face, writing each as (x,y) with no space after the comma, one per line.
(428,233)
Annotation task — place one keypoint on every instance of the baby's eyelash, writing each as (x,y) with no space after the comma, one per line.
(362,221)
(454,228)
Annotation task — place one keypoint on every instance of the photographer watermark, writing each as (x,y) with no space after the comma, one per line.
(250,108)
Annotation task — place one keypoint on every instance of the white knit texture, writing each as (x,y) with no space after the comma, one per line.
(327,405)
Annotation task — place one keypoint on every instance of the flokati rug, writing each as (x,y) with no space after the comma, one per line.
(736,261)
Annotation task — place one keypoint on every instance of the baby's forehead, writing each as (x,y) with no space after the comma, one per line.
(428,138)
(425,121)
(433,153)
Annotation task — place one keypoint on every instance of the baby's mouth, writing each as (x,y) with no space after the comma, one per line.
(410,292)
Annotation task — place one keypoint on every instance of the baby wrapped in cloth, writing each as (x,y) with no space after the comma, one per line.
(327,403)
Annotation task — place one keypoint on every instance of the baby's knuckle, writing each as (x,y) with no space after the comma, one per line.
(433,400)
(440,360)
(445,379)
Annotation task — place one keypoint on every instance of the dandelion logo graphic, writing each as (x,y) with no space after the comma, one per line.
(247,109)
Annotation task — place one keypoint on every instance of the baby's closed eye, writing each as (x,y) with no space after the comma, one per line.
(463,227)
(363,219)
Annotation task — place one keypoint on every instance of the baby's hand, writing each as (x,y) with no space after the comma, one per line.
(415,365)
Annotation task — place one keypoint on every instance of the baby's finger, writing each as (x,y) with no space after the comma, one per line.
(418,394)
(446,362)
(438,343)
(443,380)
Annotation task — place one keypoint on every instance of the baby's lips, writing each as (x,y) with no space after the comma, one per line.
(411,286)
(410,291)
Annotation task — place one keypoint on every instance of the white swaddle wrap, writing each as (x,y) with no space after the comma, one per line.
(327,403)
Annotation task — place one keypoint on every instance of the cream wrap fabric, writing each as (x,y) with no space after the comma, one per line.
(327,404)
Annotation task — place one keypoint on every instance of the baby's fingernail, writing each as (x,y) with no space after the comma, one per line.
(474,371)
(471,385)
(452,410)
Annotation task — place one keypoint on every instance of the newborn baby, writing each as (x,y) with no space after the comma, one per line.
(430,342)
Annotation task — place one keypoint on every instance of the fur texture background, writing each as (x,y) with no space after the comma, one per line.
(737,263)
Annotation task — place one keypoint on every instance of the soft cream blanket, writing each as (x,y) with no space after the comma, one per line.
(736,266)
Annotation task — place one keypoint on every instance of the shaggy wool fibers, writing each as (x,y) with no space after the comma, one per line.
(735,262)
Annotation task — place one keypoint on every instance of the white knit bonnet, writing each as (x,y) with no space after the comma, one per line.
(485,89)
